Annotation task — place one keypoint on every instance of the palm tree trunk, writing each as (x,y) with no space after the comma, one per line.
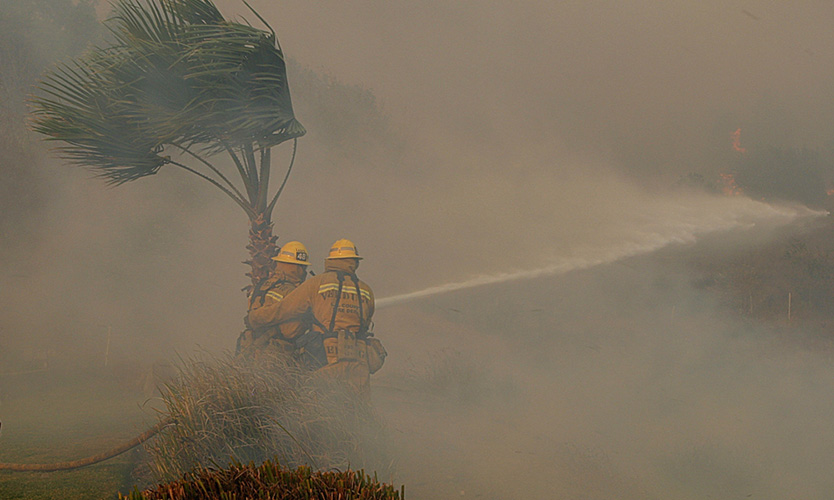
(261,248)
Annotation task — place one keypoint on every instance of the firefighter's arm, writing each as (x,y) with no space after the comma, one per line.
(292,329)
(263,314)
(296,303)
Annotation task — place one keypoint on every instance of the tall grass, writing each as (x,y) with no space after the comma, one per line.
(225,410)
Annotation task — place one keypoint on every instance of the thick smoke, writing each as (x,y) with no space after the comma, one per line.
(656,88)
(617,382)
(452,140)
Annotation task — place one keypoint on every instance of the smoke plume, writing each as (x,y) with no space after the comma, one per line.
(505,169)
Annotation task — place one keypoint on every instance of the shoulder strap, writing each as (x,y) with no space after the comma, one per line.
(341,278)
(260,291)
(363,328)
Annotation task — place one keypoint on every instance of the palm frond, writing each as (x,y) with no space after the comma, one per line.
(177,73)
(76,109)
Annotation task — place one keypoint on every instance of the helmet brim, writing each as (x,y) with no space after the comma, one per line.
(297,262)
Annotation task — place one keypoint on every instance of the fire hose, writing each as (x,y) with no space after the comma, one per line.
(77,464)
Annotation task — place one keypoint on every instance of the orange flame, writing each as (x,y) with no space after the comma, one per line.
(729,187)
(830,192)
(737,141)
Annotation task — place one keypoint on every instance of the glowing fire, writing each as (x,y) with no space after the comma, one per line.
(729,186)
(830,192)
(737,141)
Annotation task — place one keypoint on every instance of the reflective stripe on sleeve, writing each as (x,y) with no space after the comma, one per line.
(328,287)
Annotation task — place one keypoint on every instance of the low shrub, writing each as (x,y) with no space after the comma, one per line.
(270,481)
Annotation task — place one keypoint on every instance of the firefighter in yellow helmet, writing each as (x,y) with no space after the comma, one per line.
(290,271)
(341,307)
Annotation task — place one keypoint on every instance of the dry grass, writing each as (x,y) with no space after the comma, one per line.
(230,410)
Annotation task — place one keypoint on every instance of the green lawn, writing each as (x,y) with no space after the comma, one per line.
(58,416)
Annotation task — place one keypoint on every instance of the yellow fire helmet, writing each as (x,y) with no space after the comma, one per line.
(293,252)
(343,249)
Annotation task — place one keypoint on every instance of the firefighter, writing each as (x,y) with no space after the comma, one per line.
(290,271)
(339,307)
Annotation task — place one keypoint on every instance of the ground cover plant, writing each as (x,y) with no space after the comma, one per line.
(270,480)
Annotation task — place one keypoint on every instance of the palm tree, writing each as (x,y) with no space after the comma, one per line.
(178,85)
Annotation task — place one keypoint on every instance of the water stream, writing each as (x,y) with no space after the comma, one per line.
(683,223)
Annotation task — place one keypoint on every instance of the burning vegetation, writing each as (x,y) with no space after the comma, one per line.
(737,142)
(729,186)
(771,174)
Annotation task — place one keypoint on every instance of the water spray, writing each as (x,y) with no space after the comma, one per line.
(749,214)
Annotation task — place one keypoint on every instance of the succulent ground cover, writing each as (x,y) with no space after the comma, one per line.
(268,481)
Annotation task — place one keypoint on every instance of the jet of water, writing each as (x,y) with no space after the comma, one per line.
(669,227)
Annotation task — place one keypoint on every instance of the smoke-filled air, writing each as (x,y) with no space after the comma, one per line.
(597,234)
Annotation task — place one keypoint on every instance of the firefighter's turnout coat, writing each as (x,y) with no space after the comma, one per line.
(262,305)
(338,306)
